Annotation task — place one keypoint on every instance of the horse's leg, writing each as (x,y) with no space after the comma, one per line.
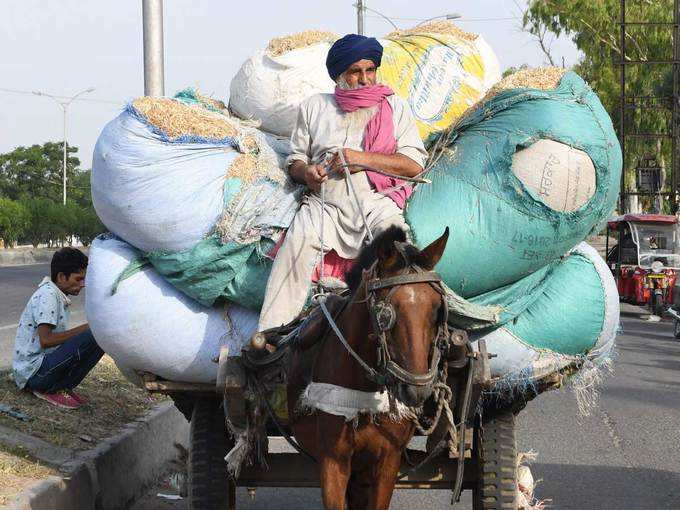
(386,471)
(335,446)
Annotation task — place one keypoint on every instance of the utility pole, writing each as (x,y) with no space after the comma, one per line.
(64,103)
(154,72)
(360,17)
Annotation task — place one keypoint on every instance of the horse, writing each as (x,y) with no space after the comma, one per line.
(391,323)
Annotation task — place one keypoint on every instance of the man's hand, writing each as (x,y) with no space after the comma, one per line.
(310,175)
(352,157)
(315,175)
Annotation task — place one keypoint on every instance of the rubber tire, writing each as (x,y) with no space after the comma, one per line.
(657,305)
(676,329)
(209,443)
(495,448)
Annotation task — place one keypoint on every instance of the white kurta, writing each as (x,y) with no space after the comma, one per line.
(322,129)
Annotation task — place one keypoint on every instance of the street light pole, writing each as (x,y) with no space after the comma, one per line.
(454,15)
(360,17)
(154,69)
(64,103)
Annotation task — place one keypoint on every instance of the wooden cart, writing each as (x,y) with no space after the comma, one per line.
(489,467)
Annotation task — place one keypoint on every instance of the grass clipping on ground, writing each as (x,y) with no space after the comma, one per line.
(434,27)
(280,45)
(113,401)
(18,471)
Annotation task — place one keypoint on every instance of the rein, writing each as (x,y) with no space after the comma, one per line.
(384,317)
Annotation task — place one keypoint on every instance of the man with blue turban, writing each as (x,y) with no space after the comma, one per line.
(371,126)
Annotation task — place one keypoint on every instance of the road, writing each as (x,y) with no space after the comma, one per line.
(625,455)
(17,283)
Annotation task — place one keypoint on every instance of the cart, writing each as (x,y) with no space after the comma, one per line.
(490,452)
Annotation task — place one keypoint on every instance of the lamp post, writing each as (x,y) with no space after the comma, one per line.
(361,6)
(64,103)
(453,15)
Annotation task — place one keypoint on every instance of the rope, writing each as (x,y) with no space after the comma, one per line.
(348,180)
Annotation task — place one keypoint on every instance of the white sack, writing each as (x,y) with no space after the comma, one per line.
(148,325)
(270,88)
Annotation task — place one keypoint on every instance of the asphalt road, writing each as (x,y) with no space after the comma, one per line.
(624,455)
(17,284)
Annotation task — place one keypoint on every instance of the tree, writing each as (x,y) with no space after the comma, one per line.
(88,225)
(594,28)
(38,229)
(13,221)
(36,171)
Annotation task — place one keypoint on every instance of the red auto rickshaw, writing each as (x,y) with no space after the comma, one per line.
(645,259)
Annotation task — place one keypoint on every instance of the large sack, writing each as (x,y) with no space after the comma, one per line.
(574,318)
(440,70)
(520,179)
(271,84)
(164,173)
(437,68)
(148,325)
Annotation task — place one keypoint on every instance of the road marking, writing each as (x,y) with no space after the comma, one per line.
(9,326)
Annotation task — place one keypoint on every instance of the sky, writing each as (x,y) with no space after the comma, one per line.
(62,47)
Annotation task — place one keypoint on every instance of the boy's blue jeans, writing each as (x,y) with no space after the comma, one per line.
(66,367)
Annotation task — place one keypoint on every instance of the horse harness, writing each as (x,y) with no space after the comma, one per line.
(384,317)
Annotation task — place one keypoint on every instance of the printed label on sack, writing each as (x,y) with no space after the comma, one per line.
(562,177)
(435,85)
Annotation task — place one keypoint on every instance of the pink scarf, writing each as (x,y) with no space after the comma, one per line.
(379,133)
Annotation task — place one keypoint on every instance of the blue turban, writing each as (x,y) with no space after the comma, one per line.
(350,49)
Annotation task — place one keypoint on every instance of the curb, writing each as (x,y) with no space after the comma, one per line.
(116,472)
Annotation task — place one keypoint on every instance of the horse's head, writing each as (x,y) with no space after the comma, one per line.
(408,312)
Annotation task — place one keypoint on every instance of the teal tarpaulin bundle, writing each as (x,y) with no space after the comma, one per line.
(501,230)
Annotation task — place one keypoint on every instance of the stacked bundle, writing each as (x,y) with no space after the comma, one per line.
(521,178)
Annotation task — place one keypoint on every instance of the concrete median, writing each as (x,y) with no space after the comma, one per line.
(116,471)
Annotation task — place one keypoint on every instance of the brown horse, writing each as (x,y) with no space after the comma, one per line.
(359,460)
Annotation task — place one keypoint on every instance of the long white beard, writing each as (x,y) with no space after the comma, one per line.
(359,118)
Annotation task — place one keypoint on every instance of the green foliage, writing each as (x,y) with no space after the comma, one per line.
(32,210)
(594,28)
(36,171)
(13,221)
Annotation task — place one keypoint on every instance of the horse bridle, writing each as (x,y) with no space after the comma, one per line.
(384,317)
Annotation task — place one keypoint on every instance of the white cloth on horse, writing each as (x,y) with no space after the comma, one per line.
(323,128)
(349,403)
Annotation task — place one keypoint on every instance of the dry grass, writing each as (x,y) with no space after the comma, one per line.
(435,27)
(542,78)
(244,167)
(176,118)
(113,402)
(280,45)
(18,470)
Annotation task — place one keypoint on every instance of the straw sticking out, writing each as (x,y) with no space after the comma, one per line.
(435,27)
(280,45)
(542,78)
(177,119)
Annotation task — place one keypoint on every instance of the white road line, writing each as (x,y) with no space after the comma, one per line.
(9,326)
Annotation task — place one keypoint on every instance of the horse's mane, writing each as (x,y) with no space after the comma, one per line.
(368,255)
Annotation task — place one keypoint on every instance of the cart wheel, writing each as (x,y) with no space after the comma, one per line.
(676,329)
(209,485)
(495,450)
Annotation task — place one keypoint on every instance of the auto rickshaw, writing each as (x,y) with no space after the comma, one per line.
(645,259)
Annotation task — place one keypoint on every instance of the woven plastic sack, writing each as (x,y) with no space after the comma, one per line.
(164,194)
(269,89)
(150,326)
(440,75)
(574,318)
(502,226)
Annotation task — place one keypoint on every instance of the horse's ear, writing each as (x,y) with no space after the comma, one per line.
(429,257)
